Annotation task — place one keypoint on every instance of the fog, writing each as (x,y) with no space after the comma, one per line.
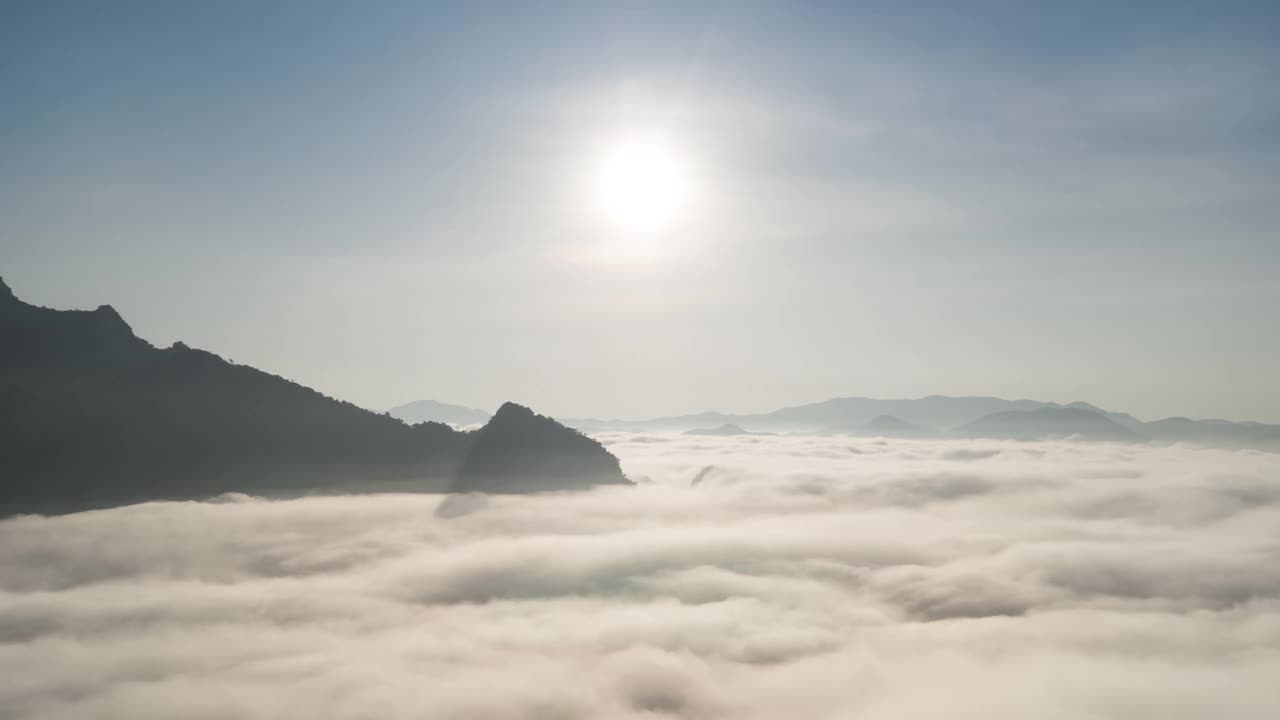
(800,577)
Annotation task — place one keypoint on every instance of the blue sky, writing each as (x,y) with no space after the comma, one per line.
(389,201)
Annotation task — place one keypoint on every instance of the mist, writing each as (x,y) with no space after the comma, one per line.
(809,577)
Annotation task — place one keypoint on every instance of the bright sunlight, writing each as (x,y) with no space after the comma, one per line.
(641,185)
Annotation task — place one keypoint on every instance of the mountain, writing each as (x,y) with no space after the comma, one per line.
(1124,419)
(57,348)
(432,411)
(726,430)
(521,451)
(676,423)
(961,416)
(933,411)
(1048,422)
(93,416)
(1219,433)
(886,426)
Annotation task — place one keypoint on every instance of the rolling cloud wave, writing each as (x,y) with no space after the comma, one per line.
(800,577)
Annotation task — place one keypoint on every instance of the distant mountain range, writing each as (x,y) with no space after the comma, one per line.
(943,416)
(93,416)
(722,431)
(883,426)
(1048,422)
(936,411)
(420,411)
(936,416)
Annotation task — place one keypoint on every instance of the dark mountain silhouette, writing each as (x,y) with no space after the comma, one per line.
(725,430)
(886,426)
(432,411)
(1048,422)
(93,416)
(57,348)
(520,451)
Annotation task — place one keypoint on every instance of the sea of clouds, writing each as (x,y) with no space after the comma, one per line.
(798,577)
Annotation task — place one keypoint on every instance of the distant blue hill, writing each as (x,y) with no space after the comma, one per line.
(1049,422)
(944,416)
(936,411)
(420,411)
(886,426)
(727,430)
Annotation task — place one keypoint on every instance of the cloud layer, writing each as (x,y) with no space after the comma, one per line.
(800,577)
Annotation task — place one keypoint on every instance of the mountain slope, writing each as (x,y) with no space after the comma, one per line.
(94,416)
(962,416)
(886,426)
(726,430)
(1218,433)
(58,348)
(933,411)
(1049,422)
(519,450)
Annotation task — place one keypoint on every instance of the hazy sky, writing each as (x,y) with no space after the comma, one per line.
(389,201)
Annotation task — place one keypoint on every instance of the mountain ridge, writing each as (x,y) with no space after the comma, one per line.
(943,416)
(932,411)
(519,445)
(93,416)
(428,410)
(886,426)
(1049,423)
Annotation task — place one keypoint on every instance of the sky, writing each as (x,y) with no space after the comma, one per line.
(392,201)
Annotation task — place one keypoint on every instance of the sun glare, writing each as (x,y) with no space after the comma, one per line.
(641,185)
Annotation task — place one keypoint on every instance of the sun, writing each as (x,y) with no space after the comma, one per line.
(641,185)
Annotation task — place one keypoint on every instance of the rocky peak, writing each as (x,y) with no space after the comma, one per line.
(108,312)
(521,451)
(512,412)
